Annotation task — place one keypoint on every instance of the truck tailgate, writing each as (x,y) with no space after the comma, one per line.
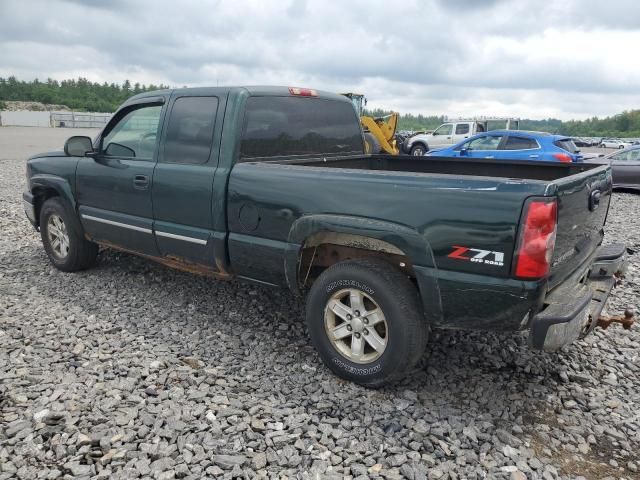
(583,202)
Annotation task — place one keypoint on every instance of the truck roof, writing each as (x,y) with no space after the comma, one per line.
(253,90)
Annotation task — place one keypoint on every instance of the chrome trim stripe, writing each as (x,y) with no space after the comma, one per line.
(116,224)
(181,237)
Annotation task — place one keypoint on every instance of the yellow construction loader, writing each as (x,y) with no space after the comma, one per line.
(378,132)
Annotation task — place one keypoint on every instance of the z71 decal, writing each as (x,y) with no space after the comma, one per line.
(477,255)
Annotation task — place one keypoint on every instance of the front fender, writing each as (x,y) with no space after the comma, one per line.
(40,183)
(408,240)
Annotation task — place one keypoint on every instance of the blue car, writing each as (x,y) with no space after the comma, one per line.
(514,145)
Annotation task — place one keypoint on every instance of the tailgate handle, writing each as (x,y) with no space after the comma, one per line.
(594,200)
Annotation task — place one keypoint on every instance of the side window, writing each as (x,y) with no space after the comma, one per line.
(519,143)
(619,156)
(134,135)
(634,155)
(445,129)
(462,128)
(488,142)
(190,130)
(464,146)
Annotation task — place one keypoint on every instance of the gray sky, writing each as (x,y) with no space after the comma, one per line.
(536,59)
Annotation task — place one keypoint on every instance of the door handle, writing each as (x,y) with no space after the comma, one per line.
(489,156)
(141,182)
(534,156)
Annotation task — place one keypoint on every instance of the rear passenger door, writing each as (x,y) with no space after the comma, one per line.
(520,147)
(182,191)
(461,132)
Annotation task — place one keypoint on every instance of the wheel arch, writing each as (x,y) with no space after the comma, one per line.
(421,143)
(334,238)
(44,187)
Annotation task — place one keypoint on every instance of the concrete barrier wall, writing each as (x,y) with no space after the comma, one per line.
(25,119)
(53,119)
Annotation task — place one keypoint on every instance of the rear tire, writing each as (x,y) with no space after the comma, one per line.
(63,238)
(379,331)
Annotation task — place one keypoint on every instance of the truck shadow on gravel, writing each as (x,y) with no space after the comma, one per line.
(462,358)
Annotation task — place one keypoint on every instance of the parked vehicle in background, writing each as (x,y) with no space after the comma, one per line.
(514,145)
(380,132)
(586,141)
(451,133)
(614,143)
(272,185)
(625,167)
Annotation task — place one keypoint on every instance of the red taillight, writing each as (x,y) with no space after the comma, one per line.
(537,239)
(562,157)
(303,92)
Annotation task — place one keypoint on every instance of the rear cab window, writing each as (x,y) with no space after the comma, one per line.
(295,126)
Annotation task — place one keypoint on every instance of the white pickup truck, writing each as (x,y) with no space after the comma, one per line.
(451,133)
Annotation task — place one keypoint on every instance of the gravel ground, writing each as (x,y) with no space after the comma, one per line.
(134,370)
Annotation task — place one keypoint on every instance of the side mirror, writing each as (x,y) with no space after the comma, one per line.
(464,151)
(119,150)
(78,146)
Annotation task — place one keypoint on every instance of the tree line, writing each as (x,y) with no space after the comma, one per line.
(79,95)
(83,95)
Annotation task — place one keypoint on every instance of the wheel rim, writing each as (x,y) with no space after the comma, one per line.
(356,326)
(418,152)
(58,236)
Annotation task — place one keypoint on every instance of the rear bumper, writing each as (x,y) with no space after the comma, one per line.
(572,309)
(29,208)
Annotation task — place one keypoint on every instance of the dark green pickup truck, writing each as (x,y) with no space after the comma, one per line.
(271,185)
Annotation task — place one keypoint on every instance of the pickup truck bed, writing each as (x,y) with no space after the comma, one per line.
(271,185)
(529,170)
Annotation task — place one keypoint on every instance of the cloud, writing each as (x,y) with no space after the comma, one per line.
(440,57)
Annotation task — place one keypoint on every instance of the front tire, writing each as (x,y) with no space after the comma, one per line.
(418,150)
(365,319)
(63,239)
(373,145)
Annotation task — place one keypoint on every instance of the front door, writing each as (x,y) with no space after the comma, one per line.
(183,193)
(114,188)
(484,147)
(442,136)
